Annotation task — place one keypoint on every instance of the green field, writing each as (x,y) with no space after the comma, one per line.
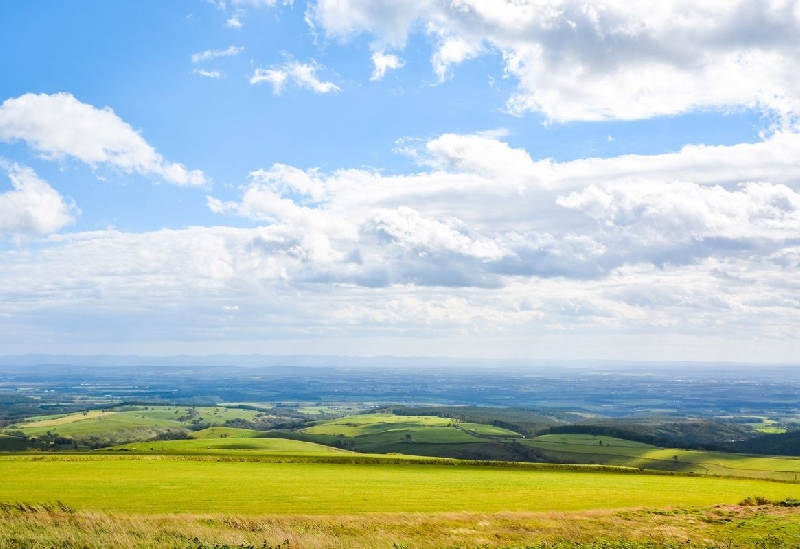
(164,417)
(368,424)
(235,445)
(202,484)
(487,430)
(614,451)
(388,433)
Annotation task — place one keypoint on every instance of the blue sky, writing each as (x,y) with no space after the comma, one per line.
(541,178)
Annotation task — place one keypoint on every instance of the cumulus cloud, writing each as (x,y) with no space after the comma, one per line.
(32,207)
(209,55)
(682,210)
(303,75)
(383,63)
(579,60)
(59,125)
(453,51)
(480,210)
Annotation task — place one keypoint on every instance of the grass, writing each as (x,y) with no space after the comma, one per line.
(368,424)
(233,445)
(390,433)
(487,430)
(202,484)
(31,526)
(225,432)
(613,451)
(96,422)
(770,430)
(55,421)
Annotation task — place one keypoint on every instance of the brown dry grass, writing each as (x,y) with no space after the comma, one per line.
(54,526)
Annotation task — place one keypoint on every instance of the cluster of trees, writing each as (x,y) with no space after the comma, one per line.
(284,419)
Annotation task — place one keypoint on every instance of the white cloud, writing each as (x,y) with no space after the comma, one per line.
(234,21)
(482,243)
(580,60)
(208,74)
(276,77)
(179,283)
(453,51)
(681,211)
(412,231)
(33,207)
(384,62)
(209,55)
(303,75)
(239,11)
(59,125)
(486,211)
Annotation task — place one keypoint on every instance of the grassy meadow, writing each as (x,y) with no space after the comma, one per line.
(388,433)
(235,442)
(201,484)
(614,451)
(112,420)
(718,527)
(127,500)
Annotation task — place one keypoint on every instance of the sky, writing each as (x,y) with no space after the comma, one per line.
(544,179)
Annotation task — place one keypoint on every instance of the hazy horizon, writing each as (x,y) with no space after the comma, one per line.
(377,361)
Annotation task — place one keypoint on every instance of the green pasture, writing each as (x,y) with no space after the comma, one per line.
(767,430)
(614,451)
(104,423)
(367,424)
(487,430)
(167,484)
(374,424)
(234,446)
(225,432)
(60,420)
(390,433)
(80,424)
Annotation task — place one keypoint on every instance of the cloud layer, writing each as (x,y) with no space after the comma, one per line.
(598,246)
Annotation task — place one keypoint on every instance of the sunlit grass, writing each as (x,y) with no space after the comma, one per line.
(614,451)
(743,528)
(233,445)
(163,484)
(89,423)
